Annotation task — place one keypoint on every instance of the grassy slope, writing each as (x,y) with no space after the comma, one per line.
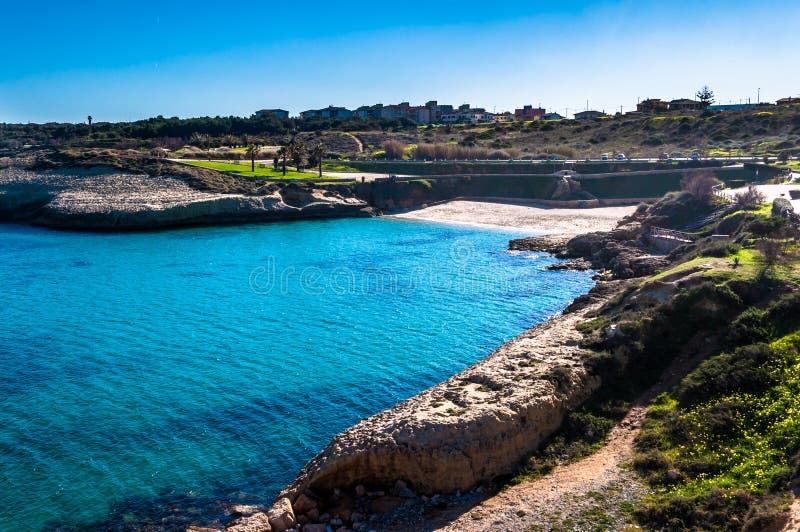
(717,134)
(244,169)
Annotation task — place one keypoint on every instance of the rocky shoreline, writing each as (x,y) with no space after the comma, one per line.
(105,199)
(455,437)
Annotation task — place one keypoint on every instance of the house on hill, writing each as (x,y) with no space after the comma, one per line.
(552,116)
(685,104)
(585,115)
(277,113)
(652,105)
(787,101)
(529,112)
(328,112)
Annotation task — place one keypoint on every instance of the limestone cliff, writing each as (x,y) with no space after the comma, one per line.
(473,427)
(105,199)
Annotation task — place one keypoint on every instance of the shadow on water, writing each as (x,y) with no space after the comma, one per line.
(168,511)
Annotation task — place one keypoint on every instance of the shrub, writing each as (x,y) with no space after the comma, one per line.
(700,184)
(394,149)
(752,197)
(726,373)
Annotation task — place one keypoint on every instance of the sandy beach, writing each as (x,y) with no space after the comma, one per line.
(533,218)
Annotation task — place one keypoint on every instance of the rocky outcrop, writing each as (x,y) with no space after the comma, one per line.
(104,199)
(621,252)
(471,428)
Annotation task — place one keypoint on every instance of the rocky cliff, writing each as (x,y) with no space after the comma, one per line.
(106,199)
(473,427)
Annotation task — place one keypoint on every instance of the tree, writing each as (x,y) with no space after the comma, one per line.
(705,95)
(252,152)
(283,154)
(316,155)
(89,119)
(297,152)
(700,184)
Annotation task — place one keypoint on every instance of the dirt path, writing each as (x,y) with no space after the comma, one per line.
(794,518)
(585,492)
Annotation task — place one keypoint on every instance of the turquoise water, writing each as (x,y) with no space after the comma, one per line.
(145,376)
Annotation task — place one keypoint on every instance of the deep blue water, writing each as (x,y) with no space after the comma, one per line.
(140,373)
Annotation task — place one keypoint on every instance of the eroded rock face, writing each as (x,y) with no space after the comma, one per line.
(281,515)
(473,427)
(109,200)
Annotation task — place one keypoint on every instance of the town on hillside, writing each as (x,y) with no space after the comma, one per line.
(435,113)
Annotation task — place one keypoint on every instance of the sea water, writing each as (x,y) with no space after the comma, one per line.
(145,377)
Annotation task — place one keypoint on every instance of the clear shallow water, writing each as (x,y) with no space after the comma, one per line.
(141,373)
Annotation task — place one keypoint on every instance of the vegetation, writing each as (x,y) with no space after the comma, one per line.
(763,131)
(262,170)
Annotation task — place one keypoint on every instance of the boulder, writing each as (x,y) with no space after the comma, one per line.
(258,522)
(281,516)
(781,206)
(303,504)
(384,504)
(317,527)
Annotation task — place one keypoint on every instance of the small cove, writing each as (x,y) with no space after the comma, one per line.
(181,367)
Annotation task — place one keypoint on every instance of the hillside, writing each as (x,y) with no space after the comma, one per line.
(766,130)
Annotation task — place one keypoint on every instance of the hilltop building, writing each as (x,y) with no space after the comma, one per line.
(529,112)
(788,101)
(278,113)
(684,104)
(328,112)
(585,115)
(652,105)
(552,116)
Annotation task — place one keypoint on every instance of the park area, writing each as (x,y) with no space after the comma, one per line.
(262,169)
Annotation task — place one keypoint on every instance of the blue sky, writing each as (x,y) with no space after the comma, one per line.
(126,61)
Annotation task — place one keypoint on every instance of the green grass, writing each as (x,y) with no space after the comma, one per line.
(732,453)
(268,172)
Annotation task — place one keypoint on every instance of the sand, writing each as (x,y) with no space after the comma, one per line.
(528,217)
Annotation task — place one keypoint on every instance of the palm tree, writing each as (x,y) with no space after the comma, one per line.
(283,154)
(297,151)
(318,152)
(252,152)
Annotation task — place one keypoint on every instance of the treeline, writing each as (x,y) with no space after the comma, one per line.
(152,132)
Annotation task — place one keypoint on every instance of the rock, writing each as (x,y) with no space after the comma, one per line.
(360,490)
(317,527)
(399,485)
(303,504)
(258,522)
(313,515)
(88,199)
(243,509)
(579,264)
(407,493)
(781,206)
(794,194)
(553,244)
(384,504)
(281,516)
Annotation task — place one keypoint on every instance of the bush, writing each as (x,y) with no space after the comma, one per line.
(752,197)
(700,185)
(394,149)
(740,371)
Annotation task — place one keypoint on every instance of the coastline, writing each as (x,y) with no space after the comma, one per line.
(453,437)
(531,218)
(105,199)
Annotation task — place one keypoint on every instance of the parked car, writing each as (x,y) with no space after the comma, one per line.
(620,157)
(695,156)
(664,156)
(603,156)
(555,158)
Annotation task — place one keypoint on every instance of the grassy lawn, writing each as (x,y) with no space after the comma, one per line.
(267,171)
